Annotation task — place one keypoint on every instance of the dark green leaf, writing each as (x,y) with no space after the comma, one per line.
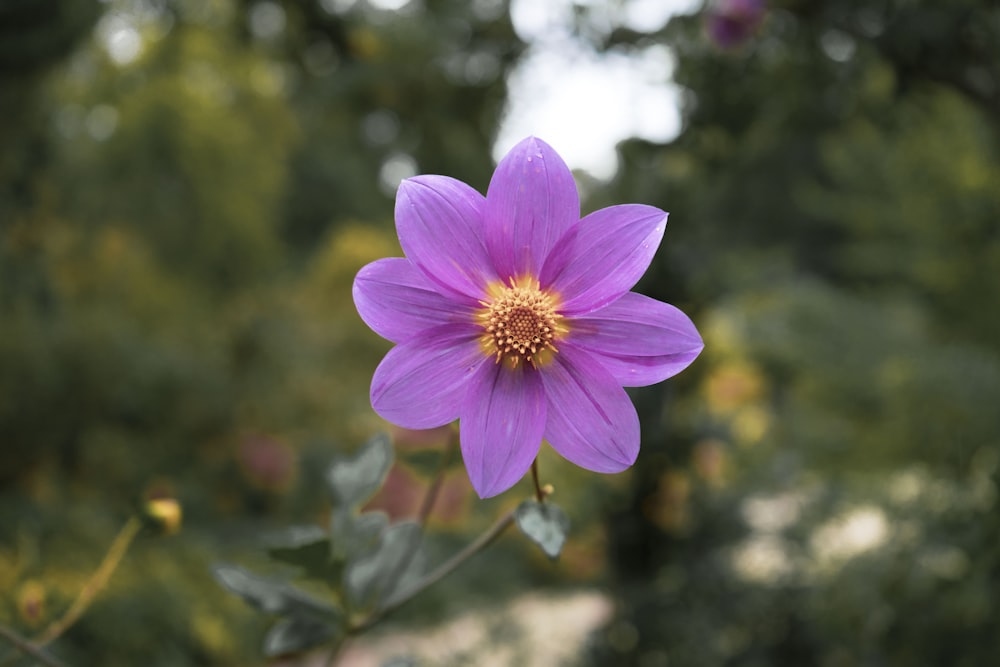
(372,577)
(411,574)
(270,596)
(355,535)
(353,480)
(297,634)
(296,536)
(544,524)
(305,547)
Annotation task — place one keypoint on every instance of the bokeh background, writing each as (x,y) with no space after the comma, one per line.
(187,188)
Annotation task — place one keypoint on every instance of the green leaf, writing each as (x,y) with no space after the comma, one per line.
(270,596)
(353,480)
(544,524)
(297,634)
(410,575)
(353,534)
(296,536)
(373,577)
(308,548)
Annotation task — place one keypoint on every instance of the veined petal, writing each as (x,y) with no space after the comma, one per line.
(422,383)
(642,371)
(395,299)
(501,426)
(640,340)
(531,202)
(440,225)
(604,256)
(591,420)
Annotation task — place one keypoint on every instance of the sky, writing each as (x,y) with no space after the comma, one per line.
(581,102)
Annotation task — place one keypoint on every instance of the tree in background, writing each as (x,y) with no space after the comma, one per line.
(187,189)
(825,492)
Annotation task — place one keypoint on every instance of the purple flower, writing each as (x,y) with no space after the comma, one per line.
(730,22)
(513,315)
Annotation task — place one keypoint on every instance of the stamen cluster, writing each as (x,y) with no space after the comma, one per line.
(520,322)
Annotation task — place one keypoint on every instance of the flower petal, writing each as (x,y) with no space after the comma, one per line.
(591,420)
(531,202)
(640,340)
(501,426)
(395,299)
(422,383)
(440,225)
(603,256)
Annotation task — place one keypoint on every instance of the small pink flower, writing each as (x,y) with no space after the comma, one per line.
(514,315)
(730,22)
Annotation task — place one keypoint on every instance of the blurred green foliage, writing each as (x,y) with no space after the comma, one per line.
(186,192)
(187,189)
(823,488)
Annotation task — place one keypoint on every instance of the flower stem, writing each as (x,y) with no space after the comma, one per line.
(97,581)
(446,568)
(26,646)
(539,494)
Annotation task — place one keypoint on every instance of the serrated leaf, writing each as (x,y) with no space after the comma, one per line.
(271,596)
(370,578)
(354,535)
(353,480)
(544,524)
(295,635)
(305,547)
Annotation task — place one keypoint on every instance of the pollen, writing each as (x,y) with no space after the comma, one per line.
(520,323)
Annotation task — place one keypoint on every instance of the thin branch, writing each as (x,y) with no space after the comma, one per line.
(97,581)
(398,600)
(26,646)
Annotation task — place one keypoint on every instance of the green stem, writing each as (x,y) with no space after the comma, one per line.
(398,600)
(30,648)
(97,581)
(539,494)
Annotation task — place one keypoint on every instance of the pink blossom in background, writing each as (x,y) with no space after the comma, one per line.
(730,23)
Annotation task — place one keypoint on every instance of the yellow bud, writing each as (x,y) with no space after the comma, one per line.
(165,513)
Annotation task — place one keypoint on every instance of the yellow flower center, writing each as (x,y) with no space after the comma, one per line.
(520,323)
